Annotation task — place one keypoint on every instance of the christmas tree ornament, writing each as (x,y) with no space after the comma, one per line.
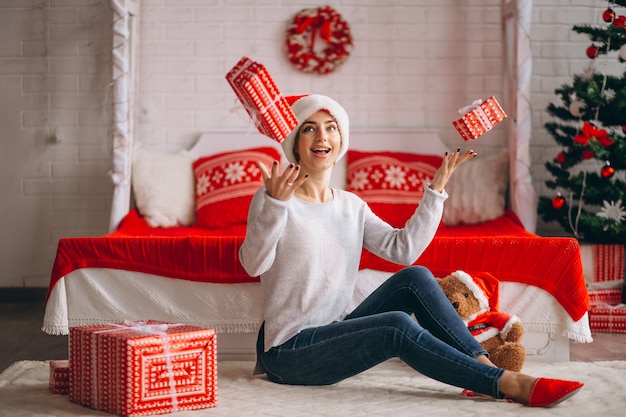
(589,132)
(588,155)
(619,21)
(608,15)
(576,107)
(560,158)
(607,170)
(558,201)
(592,52)
(612,211)
(624,128)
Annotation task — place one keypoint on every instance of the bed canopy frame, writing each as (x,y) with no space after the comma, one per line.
(516,17)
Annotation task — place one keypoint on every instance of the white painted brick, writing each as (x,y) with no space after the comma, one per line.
(167,48)
(35,118)
(223,14)
(94,169)
(192,31)
(157,14)
(47,187)
(83,135)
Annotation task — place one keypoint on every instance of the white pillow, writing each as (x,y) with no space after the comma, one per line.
(477,190)
(164,187)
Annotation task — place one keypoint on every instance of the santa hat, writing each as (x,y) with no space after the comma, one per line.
(484,286)
(307,105)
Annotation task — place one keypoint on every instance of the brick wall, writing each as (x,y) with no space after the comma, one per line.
(56,129)
(414,63)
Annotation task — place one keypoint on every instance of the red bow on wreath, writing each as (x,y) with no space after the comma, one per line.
(318,22)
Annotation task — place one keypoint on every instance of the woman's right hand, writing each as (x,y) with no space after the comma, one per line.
(450,163)
(282,186)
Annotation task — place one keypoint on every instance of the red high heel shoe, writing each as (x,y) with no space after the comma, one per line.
(547,392)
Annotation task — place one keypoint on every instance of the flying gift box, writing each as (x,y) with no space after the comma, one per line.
(478,118)
(262,99)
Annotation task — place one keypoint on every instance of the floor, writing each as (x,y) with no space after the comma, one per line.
(22,339)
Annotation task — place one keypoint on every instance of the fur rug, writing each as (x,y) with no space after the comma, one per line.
(390,389)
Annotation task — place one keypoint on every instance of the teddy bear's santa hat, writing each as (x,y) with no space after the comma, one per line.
(485,288)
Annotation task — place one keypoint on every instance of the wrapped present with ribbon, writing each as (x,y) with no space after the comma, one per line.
(608,263)
(261,98)
(60,377)
(607,318)
(143,368)
(478,118)
(602,296)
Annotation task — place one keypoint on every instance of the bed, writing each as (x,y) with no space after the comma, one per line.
(192,275)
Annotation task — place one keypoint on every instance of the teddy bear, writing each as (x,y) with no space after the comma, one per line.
(475,298)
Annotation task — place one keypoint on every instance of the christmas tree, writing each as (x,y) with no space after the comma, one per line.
(589,174)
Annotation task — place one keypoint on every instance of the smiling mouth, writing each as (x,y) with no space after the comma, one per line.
(323,151)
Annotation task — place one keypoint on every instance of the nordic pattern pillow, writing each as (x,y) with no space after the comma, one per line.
(163,187)
(392,183)
(225,184)
(477,191)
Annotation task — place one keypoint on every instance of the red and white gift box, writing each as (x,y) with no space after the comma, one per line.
(479,118)
(604,296)
(261,98)
(143,368)
(606,318)
(606,311)
(60,376)
(608,262)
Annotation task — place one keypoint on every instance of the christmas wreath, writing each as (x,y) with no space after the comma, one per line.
(302,34)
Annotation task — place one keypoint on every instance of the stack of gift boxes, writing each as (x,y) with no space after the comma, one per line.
(139,368)
(607,311)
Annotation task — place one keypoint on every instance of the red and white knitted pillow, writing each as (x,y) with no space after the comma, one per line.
(392,183)
(225,184)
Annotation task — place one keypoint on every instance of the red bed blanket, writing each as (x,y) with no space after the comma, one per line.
(501,247)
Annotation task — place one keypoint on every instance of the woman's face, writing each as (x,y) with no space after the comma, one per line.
(319,142)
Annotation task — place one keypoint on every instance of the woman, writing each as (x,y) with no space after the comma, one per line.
(305,239)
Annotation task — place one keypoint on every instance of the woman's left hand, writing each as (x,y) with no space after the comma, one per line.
(449,164)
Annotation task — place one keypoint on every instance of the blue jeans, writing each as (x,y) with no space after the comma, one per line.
(380,328)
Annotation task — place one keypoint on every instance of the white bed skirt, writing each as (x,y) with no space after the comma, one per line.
(99,296)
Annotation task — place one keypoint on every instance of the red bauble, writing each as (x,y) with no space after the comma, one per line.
(607,170)
(608,15)
(592,52)
(624,128)
(588,154)
(560,158)
(558,201)
(619,21)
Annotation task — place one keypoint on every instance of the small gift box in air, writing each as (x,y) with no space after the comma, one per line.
(479,118)
(261,98)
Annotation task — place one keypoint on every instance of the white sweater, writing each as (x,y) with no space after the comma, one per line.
(307,254)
